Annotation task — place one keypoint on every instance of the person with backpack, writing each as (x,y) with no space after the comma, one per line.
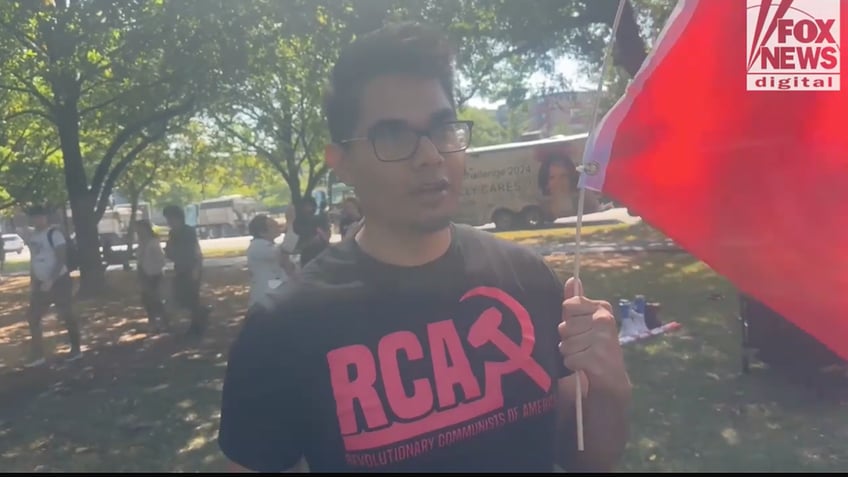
(50,284)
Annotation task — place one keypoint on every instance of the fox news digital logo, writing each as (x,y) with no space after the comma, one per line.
(793,45)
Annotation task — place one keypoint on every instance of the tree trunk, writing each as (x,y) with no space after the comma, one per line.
(294,188)
(83,203)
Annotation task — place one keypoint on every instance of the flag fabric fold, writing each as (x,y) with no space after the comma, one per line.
(754,183)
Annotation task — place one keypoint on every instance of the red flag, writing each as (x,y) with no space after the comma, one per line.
(754,183)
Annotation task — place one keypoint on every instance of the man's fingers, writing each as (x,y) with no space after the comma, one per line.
(573,287)
(580,306)
(575,326)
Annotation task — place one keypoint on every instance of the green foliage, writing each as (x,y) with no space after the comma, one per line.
(487,131)
(99,94)
(108,77)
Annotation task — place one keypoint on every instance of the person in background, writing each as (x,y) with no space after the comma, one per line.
(2,258)
(268,265)
(50,284)
(350,215)
(313,230)
(151,266)
(183,249)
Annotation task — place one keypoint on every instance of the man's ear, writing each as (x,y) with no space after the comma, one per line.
(334,155)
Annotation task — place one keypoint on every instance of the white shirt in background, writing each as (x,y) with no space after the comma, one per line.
(43,256)
(266,273)
(151,258)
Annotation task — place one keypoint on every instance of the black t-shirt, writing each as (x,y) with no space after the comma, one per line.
(364,366)
(182,247)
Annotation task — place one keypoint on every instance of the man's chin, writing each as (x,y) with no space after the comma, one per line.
(431,225)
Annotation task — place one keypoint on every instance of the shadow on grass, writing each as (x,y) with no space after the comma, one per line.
(610,233)
(693,410)
(135,402)
(142,403)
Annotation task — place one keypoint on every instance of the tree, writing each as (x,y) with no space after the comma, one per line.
(276,113)
(110,75)
(29,158)
(487,131)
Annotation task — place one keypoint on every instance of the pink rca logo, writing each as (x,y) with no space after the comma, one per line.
(793,45)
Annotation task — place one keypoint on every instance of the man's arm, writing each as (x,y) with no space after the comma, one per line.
(261,407)
(61,250)
(605,426)
(605,410)
(285,261)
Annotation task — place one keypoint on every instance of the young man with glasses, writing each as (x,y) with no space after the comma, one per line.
(418,344)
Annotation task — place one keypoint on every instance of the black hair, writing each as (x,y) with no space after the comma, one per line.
(258,225)
(395,49)
(174,211)
(545,171)
(37,210)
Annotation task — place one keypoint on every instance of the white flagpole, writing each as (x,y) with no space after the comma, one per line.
(581,203)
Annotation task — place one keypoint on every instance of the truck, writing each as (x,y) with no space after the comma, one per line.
(226,216)
(523,184)
(337,194)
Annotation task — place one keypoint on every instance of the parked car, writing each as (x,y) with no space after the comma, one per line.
(13,243)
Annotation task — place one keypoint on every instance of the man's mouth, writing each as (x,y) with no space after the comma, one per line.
(430,188)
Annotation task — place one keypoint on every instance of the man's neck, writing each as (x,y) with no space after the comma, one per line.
(405,249)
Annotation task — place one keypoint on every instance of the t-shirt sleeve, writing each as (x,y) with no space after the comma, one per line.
(555,298)
(259,427)
(58,237)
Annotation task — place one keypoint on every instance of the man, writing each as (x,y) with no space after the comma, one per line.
(50,284)
(420,345)
(312,229)
(183,249)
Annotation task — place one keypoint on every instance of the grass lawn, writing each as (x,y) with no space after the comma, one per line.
(616,233)
(137,403)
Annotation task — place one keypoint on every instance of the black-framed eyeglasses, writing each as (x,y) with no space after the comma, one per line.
(397,141)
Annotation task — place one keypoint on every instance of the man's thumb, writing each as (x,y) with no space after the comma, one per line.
(573,287)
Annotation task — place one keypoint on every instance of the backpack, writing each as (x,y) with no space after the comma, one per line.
(71,261)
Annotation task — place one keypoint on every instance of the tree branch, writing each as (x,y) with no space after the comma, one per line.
(119,168)
(489,67)
(128,132)
(23,39)
(39,173)
(271,158)
(30,88)
(123,94)
(34,112)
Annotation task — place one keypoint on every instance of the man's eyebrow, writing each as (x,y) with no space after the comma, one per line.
(446,114)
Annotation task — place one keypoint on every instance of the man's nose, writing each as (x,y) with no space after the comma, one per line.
(427,154)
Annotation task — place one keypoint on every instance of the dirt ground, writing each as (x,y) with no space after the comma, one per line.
(138,402)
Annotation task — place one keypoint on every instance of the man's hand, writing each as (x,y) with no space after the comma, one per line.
(590,341)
